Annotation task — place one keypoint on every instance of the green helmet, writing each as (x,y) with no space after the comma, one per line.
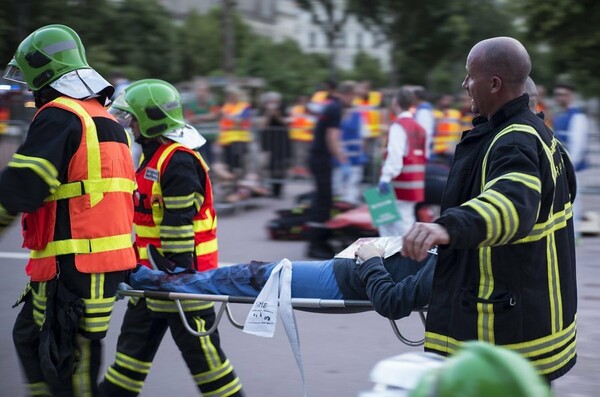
(155,104)
(45,55)
(483,370)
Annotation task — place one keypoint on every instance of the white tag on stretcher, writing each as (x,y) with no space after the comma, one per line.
(262,318)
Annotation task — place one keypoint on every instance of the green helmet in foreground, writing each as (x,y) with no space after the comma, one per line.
(45,55)
(156,105)
(480,369)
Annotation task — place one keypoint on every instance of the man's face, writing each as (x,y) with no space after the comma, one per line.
(478,86)
(347,99)
(563,97)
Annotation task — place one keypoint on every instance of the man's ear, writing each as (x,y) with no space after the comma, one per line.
(496,84)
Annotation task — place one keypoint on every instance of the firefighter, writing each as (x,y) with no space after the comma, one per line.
(73,180)
(173,212)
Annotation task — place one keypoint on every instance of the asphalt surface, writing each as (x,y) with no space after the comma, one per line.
(338,350)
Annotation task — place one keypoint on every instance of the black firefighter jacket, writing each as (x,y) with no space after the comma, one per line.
(508,275)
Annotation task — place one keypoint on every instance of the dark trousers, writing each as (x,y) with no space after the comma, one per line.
(92,328)
(141,334)
(234,155)
(322,201)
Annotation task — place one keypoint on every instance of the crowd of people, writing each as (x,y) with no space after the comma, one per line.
(504,273)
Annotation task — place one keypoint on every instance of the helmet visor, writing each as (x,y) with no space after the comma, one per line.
(123,117)
(13,73)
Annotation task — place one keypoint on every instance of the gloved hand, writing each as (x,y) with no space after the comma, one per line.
(122,287)
(346,171)
(384,187)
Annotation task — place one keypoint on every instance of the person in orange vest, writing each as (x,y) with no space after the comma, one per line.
(448,129)
(320,99)
(369,103)
(403,168)
(302,123)
(73,180)
(235,128)
(175,216)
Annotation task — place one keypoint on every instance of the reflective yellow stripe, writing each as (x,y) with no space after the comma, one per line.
(99,305)
(206,224)
(179,202)
(213,374)
(94,324)
(83,246)
(94,163)
(82,384)
(176,231)
(170,307)
(207,247)
(485,311)
(553,284)
(211,355)
(147,231)
(225,391)
(490,215)
(108,185)
(510,217)
(563,340)
(133,364)
(123,381)
(177,246)
(530,181)
(40,389)
(555,222)
(40,166)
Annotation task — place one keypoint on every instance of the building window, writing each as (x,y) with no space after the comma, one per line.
(312,40)
(341,40)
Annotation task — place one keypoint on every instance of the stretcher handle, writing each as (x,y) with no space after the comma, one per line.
(193,331)
(405,340)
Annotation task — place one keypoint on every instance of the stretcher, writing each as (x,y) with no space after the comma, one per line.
(323,306)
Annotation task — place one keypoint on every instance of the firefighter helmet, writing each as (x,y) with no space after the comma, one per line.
(45,55)
(482,369)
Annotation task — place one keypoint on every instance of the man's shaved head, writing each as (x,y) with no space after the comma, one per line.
(504,57)
(497,69)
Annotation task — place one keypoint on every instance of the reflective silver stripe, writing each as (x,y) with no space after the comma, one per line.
(206,377)
(177,231)
(413,168)
(123,381)
(408,185)
(60,46)
(177,246)
(226,390)
(132,364)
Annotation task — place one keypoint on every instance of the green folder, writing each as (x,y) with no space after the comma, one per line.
(381,206)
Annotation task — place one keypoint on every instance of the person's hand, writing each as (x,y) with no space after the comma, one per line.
(368,251)
(346,171)
(421,238)
(384,187)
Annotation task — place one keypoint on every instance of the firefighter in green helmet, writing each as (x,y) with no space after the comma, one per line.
(77,213)
(174,215)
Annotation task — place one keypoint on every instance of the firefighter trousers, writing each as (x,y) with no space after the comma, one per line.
(141,334)
(97,291)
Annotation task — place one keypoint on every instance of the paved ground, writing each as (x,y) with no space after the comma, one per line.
(338,350)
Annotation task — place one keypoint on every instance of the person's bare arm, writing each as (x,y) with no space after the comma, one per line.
(334,145)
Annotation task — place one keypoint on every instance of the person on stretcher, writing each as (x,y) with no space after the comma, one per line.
(395,285)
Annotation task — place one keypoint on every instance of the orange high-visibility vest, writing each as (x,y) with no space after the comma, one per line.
(233,130)
(150,208)
(301,124)
(99,187)
(370,112)
(448,131)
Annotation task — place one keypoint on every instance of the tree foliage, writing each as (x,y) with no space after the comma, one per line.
(569,29)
